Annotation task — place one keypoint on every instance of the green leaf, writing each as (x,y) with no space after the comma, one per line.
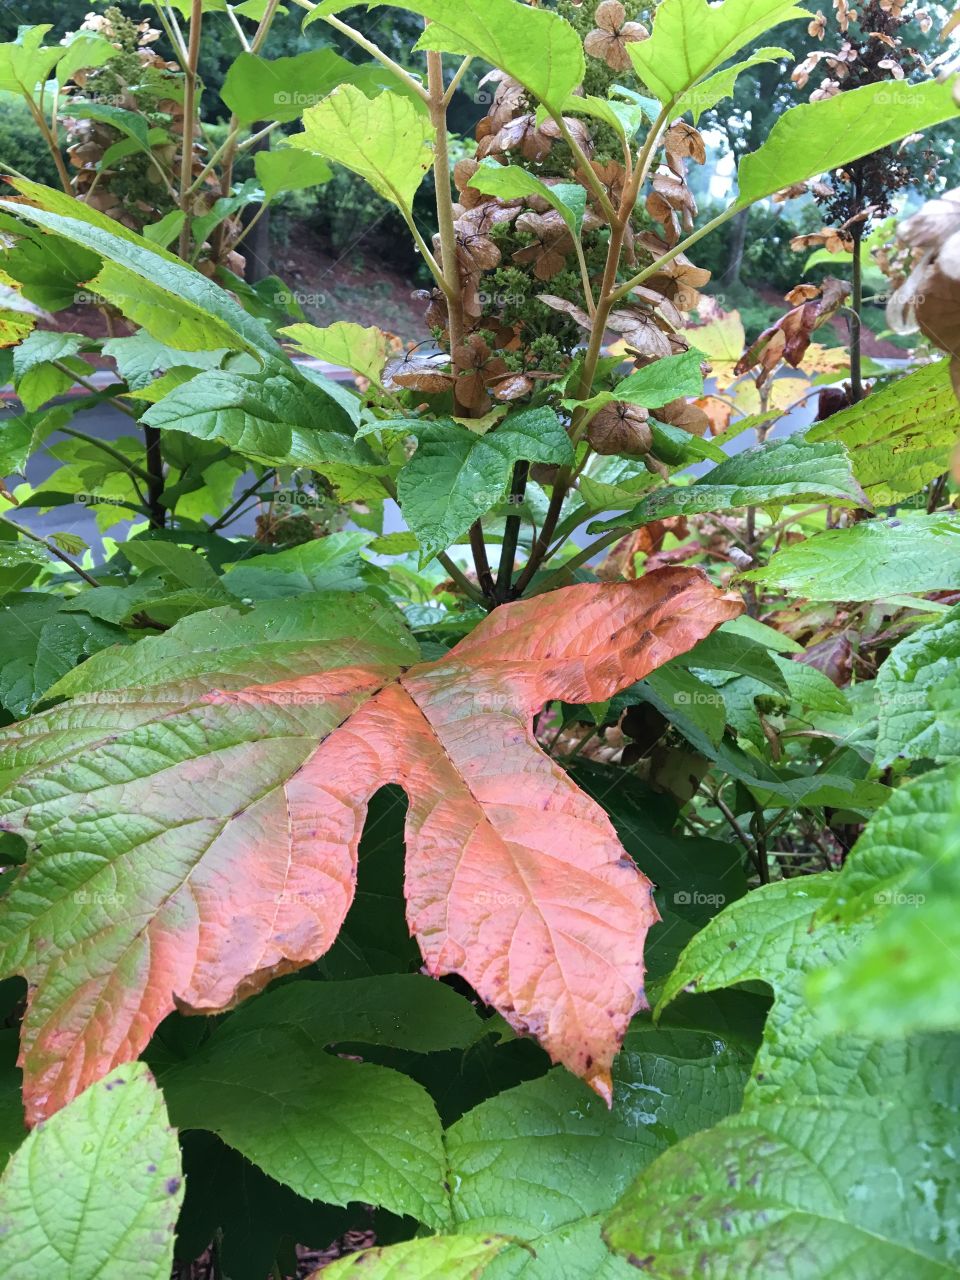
(333,563)
(683,699)
(52,272)
(456,476)
(34,375)
(176,304)
(869,561)
(542,1160)
(625,118)
(784,1180)
(691,38)
(127,122)
(728,649)
(400,1010)
(653,386)
(449,1257)
(611,482)
(288,170)
(344,343)
(41,643)
(386,140)
(272,417)
(93,1194)
(510,182)
(22,433)
(904,877)
(267,642)
(164,231)
(709,92)
(536,47)
(281,89)
(916,720)
(266,1085)
(813,137)
(779,472)
(24,63)
(140,359)
(83,51)
(902,436)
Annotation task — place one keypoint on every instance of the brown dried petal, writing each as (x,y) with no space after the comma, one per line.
(577,314)
(416,373)
(680,413)
(683,141)
(935,222)
(620,428)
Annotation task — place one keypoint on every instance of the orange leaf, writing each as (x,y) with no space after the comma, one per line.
(227,833)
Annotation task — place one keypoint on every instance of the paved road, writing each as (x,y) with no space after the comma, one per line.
(107,423)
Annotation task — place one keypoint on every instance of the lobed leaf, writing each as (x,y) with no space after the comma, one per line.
(691,38)
(194,817)
(535,46)
(386,140)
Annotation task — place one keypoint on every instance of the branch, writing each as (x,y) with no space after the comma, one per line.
(52,548)
(235,506)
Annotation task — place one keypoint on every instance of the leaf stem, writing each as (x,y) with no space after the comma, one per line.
(677,249)
(267,476)
(52,548)
(375,51)
(189,121)
(454,83)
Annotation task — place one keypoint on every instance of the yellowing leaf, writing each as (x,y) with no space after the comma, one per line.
(363,350)
(691,38)
(385,139)
(194,814)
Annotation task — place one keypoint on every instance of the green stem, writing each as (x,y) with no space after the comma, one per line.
(677,249)
(267,476)
(374,51)
(189,120)
(52,548)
